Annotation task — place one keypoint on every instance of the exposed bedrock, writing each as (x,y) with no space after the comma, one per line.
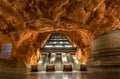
(105,53)
(27,24)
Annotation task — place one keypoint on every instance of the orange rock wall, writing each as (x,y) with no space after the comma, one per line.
(28,23)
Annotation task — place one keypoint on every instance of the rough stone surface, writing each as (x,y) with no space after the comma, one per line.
(28,23)
(105,53)
(14,66)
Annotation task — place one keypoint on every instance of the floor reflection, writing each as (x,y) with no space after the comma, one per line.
(70,75)
(52,76)
(61,75)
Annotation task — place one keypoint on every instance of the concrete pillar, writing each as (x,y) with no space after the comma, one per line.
(105,53)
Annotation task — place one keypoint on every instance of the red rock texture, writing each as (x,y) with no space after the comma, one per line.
(28,23)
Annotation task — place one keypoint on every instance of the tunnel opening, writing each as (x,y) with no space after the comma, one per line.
(58,54)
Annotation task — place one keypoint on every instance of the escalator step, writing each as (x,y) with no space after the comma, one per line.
(50,67)
(67,67)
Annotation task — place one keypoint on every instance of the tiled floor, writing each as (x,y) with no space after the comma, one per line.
(61,75)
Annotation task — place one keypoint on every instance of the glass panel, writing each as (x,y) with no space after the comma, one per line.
(6,50)
(66,43)
(58,41)
(49,42)
(61,42)
(49,46)
(54,42)
(58,46)
(67,46)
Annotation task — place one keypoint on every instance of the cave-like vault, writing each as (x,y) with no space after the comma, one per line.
(27,24)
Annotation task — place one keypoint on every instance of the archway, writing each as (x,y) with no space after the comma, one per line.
(58,54)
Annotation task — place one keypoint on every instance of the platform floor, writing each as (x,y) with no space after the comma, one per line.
(60,75)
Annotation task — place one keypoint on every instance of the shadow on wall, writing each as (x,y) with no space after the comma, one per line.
(14,66)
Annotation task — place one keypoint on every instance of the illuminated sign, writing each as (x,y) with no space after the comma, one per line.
(6,50)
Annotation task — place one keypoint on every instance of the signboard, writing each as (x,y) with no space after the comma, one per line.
(6,50)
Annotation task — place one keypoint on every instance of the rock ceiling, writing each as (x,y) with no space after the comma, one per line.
(27,23)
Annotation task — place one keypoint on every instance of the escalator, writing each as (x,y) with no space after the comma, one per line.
(61,47)
(51,65)
(67,66)
(58,63)
(43,62)
(72,59)
(76,64)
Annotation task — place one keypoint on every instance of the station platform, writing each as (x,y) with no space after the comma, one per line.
(60,75)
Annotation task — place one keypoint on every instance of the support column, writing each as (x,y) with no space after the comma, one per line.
(105,53)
